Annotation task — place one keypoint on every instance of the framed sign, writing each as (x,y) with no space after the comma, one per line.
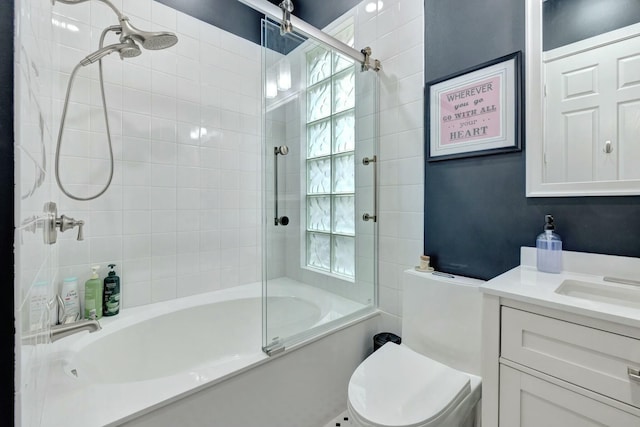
(477,111)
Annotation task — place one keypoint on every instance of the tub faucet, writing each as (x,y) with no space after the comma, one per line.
(68,324)
(60,331)
(66,329)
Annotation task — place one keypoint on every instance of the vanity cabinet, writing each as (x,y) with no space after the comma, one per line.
(557,369)
(590,358)
(562,350)
(526,400)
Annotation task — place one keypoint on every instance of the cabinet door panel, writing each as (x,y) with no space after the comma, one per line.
(527,401)
(591,358)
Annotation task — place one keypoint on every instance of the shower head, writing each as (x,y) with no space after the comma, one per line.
(149,40)
(128,49)
(152,40)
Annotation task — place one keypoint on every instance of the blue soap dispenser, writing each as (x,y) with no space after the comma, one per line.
(549,248)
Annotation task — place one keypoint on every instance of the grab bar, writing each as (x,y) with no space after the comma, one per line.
(283,150)
(366,161)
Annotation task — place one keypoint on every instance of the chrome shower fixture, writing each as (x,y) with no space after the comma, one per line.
(287,8)
(128,47)
(152,40)
(126,50)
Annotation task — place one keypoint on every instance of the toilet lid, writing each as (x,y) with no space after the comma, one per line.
(396,386)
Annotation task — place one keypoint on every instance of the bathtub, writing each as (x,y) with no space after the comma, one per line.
(149,356)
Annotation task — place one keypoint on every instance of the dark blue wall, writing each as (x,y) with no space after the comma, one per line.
(230,15)
(235,17)
(7,331)
(320,13)
(476,212)
(568,21)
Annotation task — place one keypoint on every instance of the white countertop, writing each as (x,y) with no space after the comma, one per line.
(525,283)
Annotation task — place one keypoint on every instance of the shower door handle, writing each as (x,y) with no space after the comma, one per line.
(367,161)
(282,150)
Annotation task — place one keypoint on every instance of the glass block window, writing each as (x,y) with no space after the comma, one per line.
(330,164)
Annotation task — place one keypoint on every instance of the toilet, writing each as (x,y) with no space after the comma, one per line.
(432,378)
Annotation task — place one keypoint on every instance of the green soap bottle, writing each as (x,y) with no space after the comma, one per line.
(111,295)
(93,295)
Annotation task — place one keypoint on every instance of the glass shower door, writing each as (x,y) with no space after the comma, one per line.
(319,254)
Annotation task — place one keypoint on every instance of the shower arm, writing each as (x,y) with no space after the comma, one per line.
(107,2)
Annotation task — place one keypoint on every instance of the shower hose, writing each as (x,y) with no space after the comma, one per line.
(106,121)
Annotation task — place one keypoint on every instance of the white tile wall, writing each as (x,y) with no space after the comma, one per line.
(35,262)
(184,120)
(286,250)
(177,219)
(396,36)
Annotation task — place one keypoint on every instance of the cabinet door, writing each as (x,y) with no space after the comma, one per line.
(527,401)
(587,357)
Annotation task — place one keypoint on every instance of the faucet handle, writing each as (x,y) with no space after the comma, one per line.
(80,224)
(67,223)
(52,223)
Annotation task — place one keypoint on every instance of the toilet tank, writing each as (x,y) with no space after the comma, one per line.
(441,318)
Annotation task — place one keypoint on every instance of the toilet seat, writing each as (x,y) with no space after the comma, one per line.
(397,386)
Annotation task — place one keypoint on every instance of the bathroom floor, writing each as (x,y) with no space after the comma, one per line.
(341,420)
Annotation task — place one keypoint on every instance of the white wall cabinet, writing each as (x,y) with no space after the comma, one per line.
(546,367)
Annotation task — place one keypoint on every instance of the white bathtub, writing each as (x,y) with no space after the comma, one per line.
(147,357)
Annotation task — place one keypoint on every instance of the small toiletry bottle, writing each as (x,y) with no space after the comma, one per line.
(549,248)
(38,306)
(70,299)
(93,295)
(111,295)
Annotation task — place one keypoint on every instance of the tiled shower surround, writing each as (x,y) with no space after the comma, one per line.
(181,216)
(183,213)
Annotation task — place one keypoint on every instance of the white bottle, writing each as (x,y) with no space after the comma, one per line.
(70,299)
(38,306)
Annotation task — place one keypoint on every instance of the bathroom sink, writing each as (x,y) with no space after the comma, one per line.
(610,293)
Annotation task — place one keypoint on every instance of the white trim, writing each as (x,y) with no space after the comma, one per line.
(535,131)
(534,96)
